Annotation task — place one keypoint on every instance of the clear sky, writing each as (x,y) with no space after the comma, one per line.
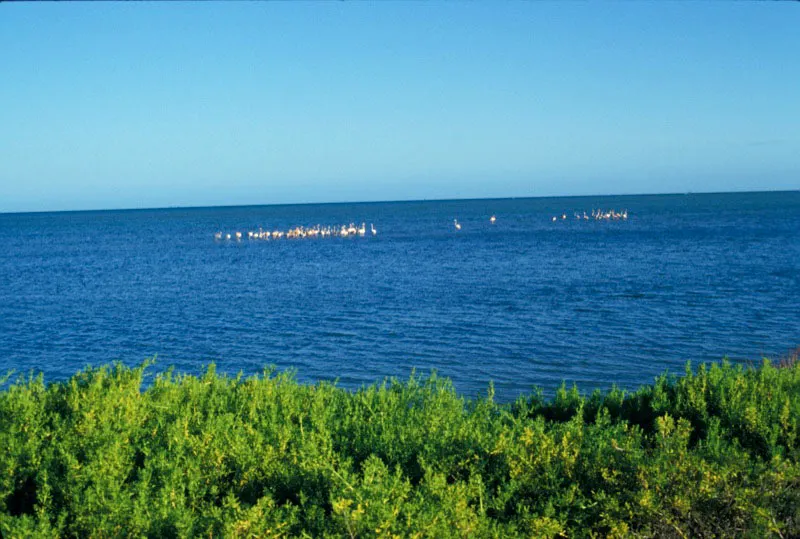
(126,105)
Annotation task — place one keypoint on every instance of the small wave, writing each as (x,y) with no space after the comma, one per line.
(634,295)
(339,334)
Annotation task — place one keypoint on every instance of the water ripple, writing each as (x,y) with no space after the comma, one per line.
(524,303)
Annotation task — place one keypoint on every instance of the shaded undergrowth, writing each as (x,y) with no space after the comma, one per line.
(708,454)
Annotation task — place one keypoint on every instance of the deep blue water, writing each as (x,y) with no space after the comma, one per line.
(525,302)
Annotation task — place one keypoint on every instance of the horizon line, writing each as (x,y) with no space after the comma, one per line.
(410,200)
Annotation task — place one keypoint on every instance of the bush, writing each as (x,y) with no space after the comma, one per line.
(711,453)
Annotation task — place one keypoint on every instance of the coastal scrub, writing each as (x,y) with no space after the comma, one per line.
(711,453)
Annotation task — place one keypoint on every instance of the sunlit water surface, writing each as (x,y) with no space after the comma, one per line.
(524,302)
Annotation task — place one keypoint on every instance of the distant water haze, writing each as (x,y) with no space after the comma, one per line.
(525,301)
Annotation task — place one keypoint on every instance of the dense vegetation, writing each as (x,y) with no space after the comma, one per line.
(711,453)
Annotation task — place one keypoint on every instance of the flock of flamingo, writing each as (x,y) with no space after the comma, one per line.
(344,231)
(598,215)
(297,232)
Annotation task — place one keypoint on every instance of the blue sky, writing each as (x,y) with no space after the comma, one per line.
(129,105)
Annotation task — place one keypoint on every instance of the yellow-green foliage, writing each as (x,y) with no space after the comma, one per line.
(712,453)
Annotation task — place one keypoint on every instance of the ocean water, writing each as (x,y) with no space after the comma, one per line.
(524,302)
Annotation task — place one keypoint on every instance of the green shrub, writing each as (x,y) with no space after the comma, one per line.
(711,453)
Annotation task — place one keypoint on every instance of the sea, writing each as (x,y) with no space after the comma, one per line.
(538,298)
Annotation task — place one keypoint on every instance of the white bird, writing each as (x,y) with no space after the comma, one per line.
(218,236)
(372,227)
(492,219)
(554,219)
(458,226)
(238,235)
